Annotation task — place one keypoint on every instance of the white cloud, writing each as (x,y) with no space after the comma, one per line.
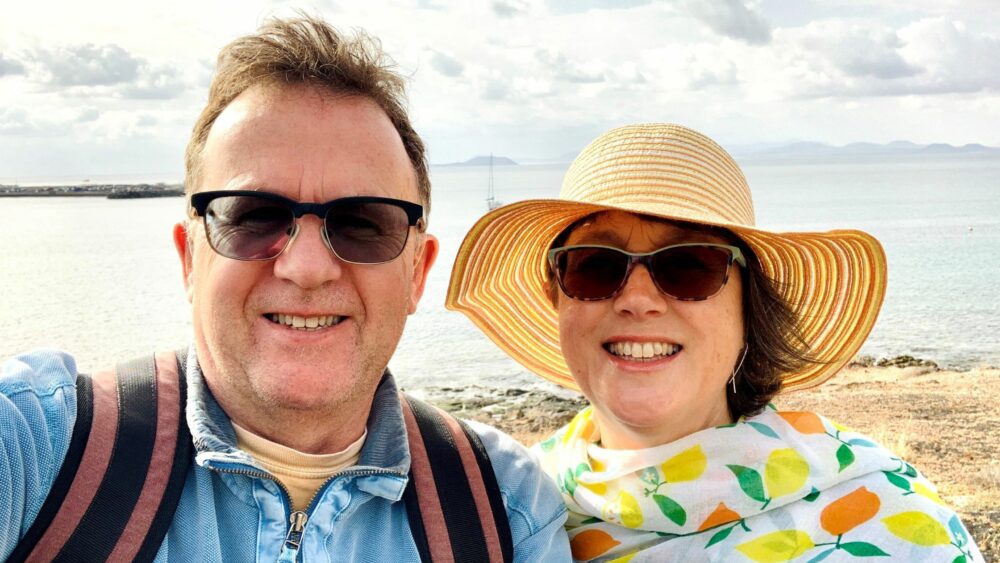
(83,65)
(537,75)
(10,66)
(445,64)
(731,18)
(156,82)
(955,58)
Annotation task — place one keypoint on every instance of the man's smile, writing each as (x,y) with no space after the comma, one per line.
(305,323)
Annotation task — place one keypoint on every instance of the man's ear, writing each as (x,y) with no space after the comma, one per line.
(182,243)
(424,257)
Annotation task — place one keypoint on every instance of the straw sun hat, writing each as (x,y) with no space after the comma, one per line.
(835,281)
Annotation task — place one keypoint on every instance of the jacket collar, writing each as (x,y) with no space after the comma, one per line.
(385,449)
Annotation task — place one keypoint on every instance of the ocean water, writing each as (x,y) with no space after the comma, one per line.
(100,278)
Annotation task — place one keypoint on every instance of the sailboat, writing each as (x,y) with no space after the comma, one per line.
(491,201)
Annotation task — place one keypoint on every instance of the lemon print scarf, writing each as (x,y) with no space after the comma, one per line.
(778,486)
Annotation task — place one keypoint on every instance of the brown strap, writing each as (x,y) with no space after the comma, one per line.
(168,409)
(90,474)
(475,478)
(129,476)
(438,540)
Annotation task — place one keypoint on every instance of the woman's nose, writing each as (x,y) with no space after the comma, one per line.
(640,296)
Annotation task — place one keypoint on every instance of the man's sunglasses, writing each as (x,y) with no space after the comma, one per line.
(252,225)
(689,272)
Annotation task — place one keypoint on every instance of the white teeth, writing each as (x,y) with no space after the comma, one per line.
(643,350)
(304,323)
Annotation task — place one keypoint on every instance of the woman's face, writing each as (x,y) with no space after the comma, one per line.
(644,403)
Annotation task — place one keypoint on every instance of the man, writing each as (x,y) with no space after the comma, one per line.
(304,253)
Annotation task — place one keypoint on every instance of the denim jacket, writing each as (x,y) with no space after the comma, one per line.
(231,509)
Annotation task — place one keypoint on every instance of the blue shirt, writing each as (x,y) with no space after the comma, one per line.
(230,508)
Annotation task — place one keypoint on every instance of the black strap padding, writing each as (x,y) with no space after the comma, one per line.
(412,501)
(63,480)
(492,492)
(108,514)
(458,506)
(178,474)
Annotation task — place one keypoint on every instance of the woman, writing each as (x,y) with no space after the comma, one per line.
(647,287)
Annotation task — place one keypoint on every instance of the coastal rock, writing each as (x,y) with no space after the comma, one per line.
(519,412)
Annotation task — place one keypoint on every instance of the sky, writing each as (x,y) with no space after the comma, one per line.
(112,88)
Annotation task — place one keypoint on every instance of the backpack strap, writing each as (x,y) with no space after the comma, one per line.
(454,505)
(117,490)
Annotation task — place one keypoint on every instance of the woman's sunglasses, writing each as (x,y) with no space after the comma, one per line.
(689,272)
(252,225)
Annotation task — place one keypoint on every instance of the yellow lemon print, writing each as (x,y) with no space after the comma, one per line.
(925,491)
(917,527)
(777,546)
(685,466)
(785,472)
(596,488)
(624,510)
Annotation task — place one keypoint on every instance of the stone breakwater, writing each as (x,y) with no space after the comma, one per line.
(113,191)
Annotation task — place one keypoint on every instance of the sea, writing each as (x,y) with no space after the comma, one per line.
(100,278)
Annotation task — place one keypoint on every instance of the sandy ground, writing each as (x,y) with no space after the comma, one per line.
(945,423)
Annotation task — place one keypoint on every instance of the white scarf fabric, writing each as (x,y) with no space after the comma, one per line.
(778,486)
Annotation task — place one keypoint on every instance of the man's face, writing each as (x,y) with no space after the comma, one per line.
(311,147)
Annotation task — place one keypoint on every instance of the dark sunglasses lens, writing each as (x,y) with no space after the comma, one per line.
(247,227)
(591,273)
(367,232)
(691,272)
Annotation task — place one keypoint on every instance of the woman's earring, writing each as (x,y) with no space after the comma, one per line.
(732,380)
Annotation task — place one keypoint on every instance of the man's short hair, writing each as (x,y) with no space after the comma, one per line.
(308,51)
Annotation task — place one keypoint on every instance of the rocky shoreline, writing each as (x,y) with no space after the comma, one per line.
(535,412)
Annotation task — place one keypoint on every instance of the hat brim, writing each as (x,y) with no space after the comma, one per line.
(835,282)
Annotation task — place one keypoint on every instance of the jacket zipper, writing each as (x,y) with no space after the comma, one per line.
(298,519)
(296,524)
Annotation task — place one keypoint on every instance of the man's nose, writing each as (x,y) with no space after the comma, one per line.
(640,296)
(307,261)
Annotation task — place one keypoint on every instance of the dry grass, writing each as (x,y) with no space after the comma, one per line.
(947,424)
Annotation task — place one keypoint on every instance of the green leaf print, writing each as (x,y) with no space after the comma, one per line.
(910,470)
(823,555)
(671,509)
(813,495)
(547,445)
(569,482)
(863,549)
(719,536)
(845,456)
(959,559)
(861,442)
(750,482)
(764,429)
(899,481)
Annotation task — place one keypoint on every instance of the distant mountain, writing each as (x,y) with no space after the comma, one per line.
(484,161)
(895,148)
